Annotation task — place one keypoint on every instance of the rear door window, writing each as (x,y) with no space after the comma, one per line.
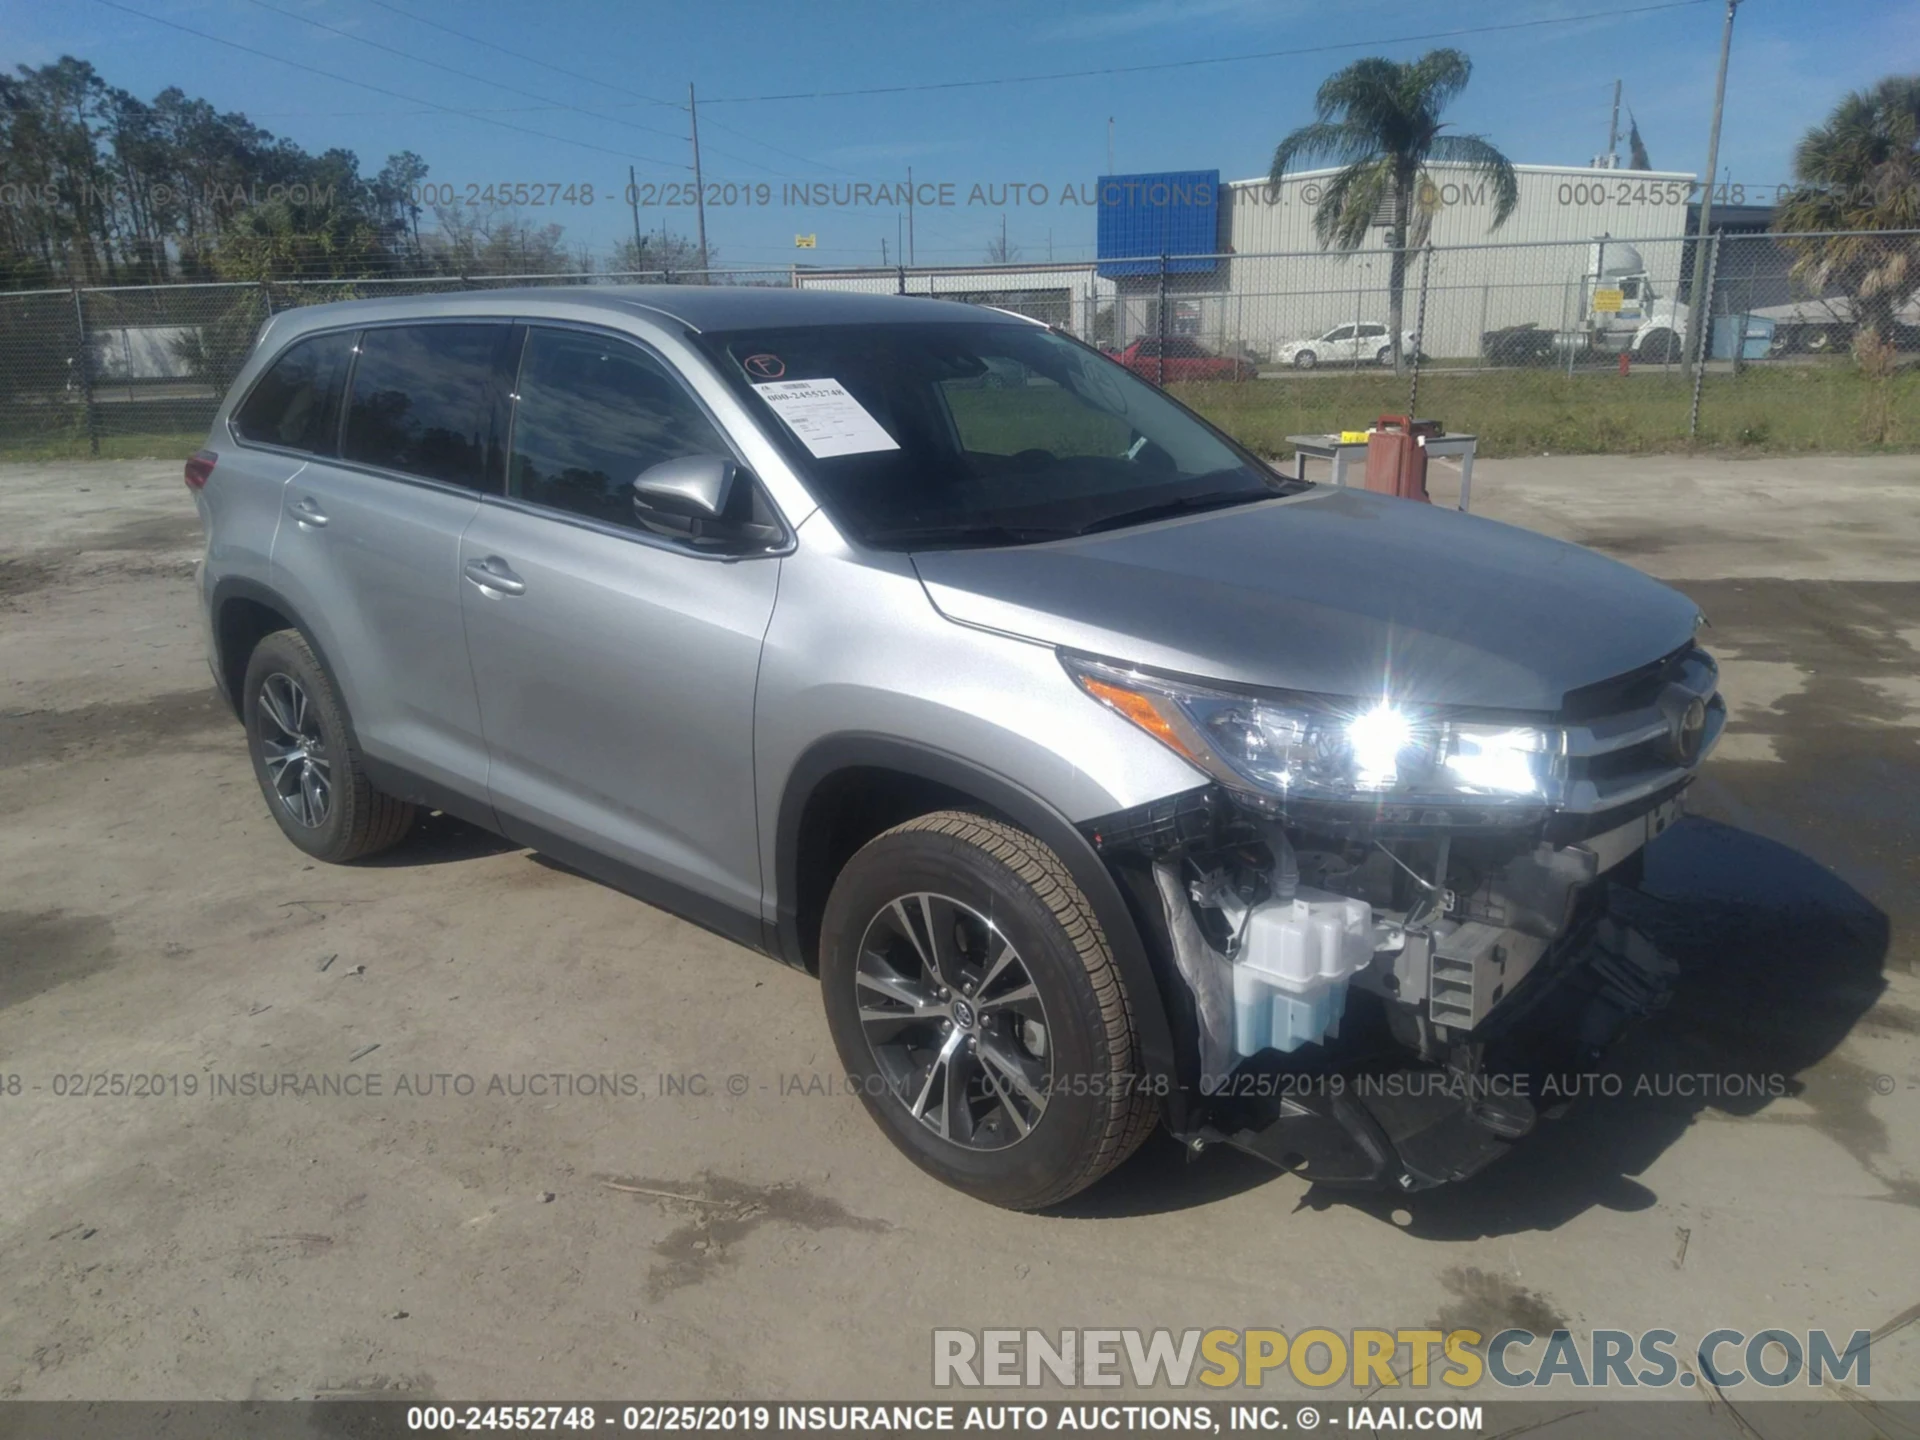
(593,412)
(425,401)
(296,404)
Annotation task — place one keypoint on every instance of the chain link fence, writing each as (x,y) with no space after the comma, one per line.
(1809,341)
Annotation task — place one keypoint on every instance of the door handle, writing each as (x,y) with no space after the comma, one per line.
(308,512)
(493,573)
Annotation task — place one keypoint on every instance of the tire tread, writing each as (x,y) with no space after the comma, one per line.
(1131,1110)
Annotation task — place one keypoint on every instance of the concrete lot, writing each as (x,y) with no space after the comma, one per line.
(763,1239)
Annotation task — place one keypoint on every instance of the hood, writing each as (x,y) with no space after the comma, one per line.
(1336,591)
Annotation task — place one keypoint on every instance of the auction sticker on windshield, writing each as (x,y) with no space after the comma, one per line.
(827,419)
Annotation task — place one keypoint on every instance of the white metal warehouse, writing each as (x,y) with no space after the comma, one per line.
(1274,281)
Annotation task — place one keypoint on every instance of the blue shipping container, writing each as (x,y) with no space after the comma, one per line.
(1754,334)
(1142,217)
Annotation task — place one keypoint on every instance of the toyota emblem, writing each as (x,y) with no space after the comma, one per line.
(1687,730)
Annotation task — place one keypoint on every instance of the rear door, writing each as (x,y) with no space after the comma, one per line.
(369,546)
(615,666)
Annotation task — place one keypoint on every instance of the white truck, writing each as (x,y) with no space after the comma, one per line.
(1623,308)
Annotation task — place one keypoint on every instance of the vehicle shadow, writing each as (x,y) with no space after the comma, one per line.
(1779,959)
(437,838)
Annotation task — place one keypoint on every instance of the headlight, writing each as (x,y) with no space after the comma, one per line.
(1315,749)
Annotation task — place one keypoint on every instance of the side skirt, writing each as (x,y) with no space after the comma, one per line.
(722,919)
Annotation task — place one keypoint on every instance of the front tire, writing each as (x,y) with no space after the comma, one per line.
(1305,360)
(1661,347)
(305,758)
(976,1007)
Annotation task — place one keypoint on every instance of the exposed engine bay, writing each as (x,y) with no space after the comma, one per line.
(1380,1008)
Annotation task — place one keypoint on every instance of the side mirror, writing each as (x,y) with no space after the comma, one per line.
(693,487)
(692,498)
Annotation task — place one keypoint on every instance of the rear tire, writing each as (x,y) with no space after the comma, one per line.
(305,758)
(978,1012)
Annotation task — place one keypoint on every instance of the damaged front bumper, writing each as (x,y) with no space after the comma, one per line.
(1415,1127)
(1490,962)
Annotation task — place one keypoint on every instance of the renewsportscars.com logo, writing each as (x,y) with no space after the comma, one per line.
(1371,1359)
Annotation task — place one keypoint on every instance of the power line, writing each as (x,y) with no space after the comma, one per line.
(463,74)
(1209,60)
(483,80)
(521,56)
(603,84)
(756,140)
(378,89)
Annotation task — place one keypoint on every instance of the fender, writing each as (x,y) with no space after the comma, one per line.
(1017,804)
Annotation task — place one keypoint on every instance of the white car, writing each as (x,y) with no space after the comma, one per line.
(1347,345)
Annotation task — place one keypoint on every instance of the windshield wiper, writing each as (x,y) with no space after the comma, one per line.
(970,534)
(1165,509)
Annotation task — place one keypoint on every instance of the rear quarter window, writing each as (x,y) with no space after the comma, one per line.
(296,404)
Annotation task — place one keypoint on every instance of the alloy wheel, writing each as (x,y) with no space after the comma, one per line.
(295,750)
(954,1021)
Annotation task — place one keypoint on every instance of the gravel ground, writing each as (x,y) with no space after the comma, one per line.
(717,1226)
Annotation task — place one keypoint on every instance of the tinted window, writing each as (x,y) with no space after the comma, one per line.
(908,446)
(423,400)
(593,413)
(297,402)
(1345,332)
(1373,331)
(1185,349)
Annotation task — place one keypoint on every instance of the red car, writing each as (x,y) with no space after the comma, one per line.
(1183,359)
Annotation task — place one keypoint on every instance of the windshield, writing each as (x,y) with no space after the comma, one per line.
(935,435)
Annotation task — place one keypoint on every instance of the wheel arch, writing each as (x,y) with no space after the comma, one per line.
(841,790)
(1663,332)
(244,612)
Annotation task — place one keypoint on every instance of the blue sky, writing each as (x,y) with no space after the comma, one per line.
(1541,93)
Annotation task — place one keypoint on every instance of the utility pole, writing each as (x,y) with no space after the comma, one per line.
(883,251)
(633,201)
(699,185)
(1613,131)
(1698,320)
(910,249)
(1003,237)
(1109,144)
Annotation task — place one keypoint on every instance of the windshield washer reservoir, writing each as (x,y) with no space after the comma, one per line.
(1290,976)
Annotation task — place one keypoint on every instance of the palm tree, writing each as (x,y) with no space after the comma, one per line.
(1380,121)
(1859,174)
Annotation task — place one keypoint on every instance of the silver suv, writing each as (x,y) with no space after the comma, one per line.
(1102,775)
